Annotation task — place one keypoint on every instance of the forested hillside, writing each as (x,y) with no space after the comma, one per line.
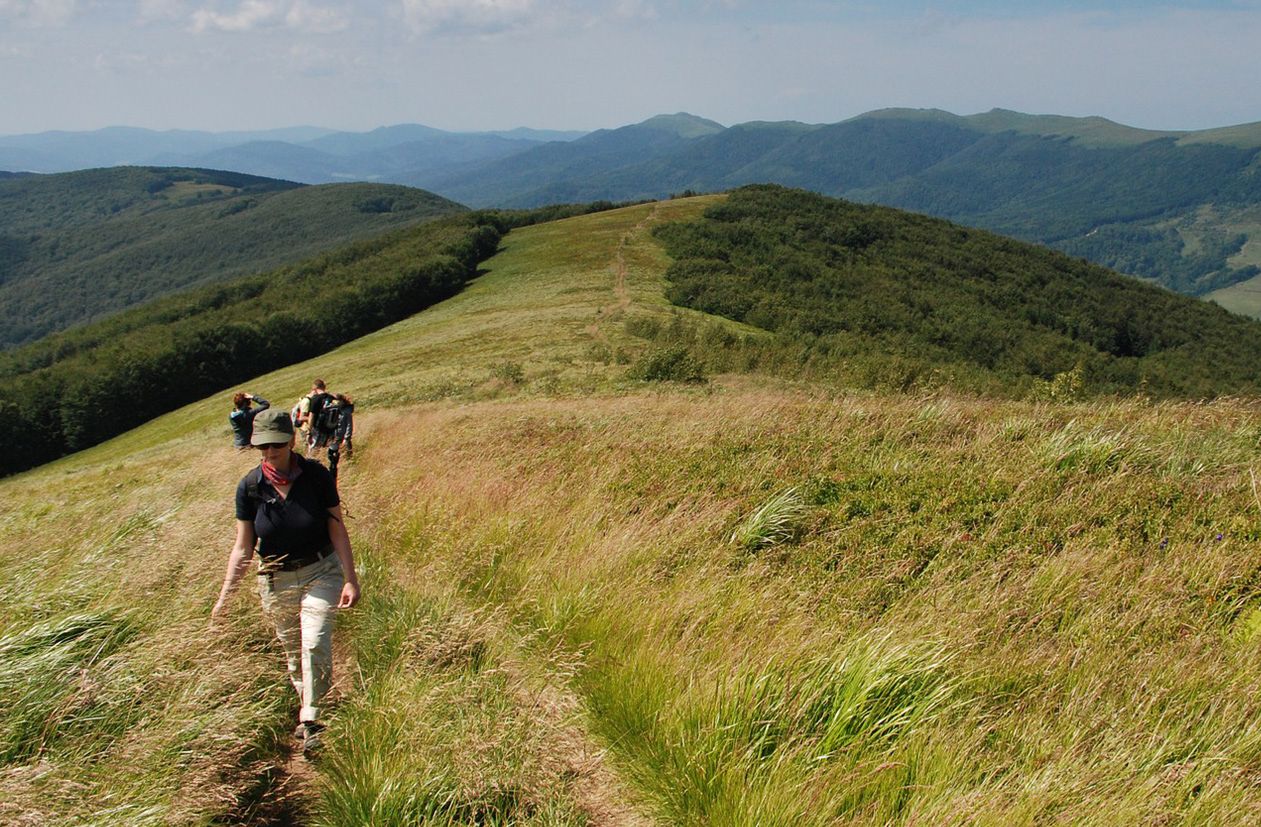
(1134,209)
(577,170)
(1169,207)
(846,285)
(78,246)
(71,391)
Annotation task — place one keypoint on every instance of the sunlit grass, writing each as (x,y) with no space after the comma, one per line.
(591,600)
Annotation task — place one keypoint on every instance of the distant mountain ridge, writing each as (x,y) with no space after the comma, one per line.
(311,155)
(1182,209)
(1176,208)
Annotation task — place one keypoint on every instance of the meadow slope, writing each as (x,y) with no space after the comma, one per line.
(594,601)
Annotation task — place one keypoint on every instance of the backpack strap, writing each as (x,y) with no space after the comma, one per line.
(252,479)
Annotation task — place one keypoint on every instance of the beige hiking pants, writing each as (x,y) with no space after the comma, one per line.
(301,605)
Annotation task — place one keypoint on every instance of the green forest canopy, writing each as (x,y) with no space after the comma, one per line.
(848,282)
(77,246)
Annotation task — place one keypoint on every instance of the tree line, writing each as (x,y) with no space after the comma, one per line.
(873,290)
(177,350)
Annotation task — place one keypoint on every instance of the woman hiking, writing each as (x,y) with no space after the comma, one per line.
(289,506)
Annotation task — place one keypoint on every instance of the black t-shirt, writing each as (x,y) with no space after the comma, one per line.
(293,527)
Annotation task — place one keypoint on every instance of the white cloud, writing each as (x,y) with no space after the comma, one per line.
(635,9)
(258,14)
(317,19)
(471,16)
(39,12)
(249,15)
(150,11)
(121,61)
(315,63)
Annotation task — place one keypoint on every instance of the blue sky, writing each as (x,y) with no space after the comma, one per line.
(585,64)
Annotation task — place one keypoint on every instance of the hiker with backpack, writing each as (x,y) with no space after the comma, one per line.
(245,406)
(309,408)
(289,507)
(334,427)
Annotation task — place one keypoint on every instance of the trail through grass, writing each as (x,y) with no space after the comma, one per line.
(590,600)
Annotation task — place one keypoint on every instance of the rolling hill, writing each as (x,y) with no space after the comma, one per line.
(856,294)
(79,246)
(750,601)
(1169,207)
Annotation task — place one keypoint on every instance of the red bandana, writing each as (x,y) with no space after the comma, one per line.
(277,478)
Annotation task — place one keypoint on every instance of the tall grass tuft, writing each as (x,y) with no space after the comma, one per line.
(753,747)
(778,520)
(48,688)
(1094,450)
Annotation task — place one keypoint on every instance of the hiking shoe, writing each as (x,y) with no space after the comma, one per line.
(311,738)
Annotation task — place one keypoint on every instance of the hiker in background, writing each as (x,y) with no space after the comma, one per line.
(311,406)
(347,431)
(333,427)
(245,406)
(289,506)
(299,422)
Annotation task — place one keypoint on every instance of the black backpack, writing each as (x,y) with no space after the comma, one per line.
(329,418)
(316,404)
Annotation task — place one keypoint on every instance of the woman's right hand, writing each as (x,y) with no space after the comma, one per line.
(349,595)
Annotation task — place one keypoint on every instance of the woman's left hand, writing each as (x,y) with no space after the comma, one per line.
(350,595)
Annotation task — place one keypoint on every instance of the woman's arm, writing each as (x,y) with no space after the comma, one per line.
(238,561)
(340,539)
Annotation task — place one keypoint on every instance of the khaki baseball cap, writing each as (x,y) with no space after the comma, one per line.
(272,426)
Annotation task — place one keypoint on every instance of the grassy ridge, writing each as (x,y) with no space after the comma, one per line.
(221,700)
(987,611)
(769,603)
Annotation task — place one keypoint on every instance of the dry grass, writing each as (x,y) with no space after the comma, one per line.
(983,612)
(1087,608)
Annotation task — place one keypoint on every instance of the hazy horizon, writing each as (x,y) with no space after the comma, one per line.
(579,65)
(544,128)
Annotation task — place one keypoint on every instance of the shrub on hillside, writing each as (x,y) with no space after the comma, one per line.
(668,364)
